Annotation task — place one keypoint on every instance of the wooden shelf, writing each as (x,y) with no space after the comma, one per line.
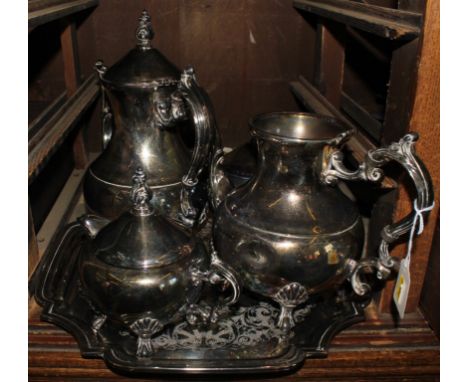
(370,351)
(389,23)
(48,138)
(372,126)
(43,11)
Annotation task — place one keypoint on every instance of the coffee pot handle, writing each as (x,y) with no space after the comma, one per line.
(106,114)
(205,134)
(402,152)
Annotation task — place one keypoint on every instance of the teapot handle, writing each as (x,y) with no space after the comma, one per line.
(205,134)
(403,153)
(219,273)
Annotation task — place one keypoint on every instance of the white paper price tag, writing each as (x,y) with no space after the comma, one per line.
(400,293)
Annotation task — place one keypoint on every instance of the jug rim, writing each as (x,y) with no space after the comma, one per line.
(305,127)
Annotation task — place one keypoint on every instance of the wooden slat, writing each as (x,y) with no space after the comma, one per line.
(71,62)
(72,74)
(33,251)
(43,11)
(401,90)
(385,22)
(361,116)
(59,211)
(430,295)
(329,65)
(425,120)
(69,114)
(46,115)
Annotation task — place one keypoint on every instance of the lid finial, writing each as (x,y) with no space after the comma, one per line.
(144,32)
(141,194)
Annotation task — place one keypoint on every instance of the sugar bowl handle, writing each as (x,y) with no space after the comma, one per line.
(219,273)
(205,133)
(402,152)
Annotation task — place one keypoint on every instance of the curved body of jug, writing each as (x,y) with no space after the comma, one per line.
(287,234)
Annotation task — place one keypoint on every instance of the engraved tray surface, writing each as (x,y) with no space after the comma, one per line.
(245,340)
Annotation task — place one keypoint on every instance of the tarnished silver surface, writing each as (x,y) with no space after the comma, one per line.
(144,271)
(241,338)
(285,233)
(150,101)
(137,270)
(402,152)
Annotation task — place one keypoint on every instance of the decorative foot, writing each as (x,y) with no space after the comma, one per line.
(289,296)
(145,328)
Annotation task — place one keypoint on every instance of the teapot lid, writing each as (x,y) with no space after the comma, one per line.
(143,66)
(139,238)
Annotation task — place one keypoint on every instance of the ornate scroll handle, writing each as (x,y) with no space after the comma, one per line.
(205,134)
(402,152)
(106,115)
(219,273)
(220,186)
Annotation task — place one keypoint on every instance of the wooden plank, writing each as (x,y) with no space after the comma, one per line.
(72,74)
(44,11)
(46,115)
(430,294)
(400,96)
(389,23)
(361,116)
(329,65)
(33,252)
(425,120)
(56,133)
(59,211)
(71,62)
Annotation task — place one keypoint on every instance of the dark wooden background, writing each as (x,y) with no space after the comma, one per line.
(245,52)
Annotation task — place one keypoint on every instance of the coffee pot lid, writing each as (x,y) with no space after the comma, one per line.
(140,238)
(144,66)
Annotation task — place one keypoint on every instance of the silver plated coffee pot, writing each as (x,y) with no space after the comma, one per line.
(146,100)
(287,232)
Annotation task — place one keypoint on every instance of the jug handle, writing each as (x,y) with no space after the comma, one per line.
(402,152)
(205,134)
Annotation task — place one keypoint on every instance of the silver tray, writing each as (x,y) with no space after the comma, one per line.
(245,340)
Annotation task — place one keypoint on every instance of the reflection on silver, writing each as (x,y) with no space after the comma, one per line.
(146,101)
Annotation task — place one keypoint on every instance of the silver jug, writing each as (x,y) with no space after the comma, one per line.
(287,232)
(146,100)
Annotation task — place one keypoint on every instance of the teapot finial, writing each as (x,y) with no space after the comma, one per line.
(141,194)
(144,32)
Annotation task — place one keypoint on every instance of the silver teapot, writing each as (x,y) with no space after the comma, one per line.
(287,232)
(146,100)
(146,272)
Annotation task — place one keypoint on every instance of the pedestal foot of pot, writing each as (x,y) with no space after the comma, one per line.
(289,297)
(145,328)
